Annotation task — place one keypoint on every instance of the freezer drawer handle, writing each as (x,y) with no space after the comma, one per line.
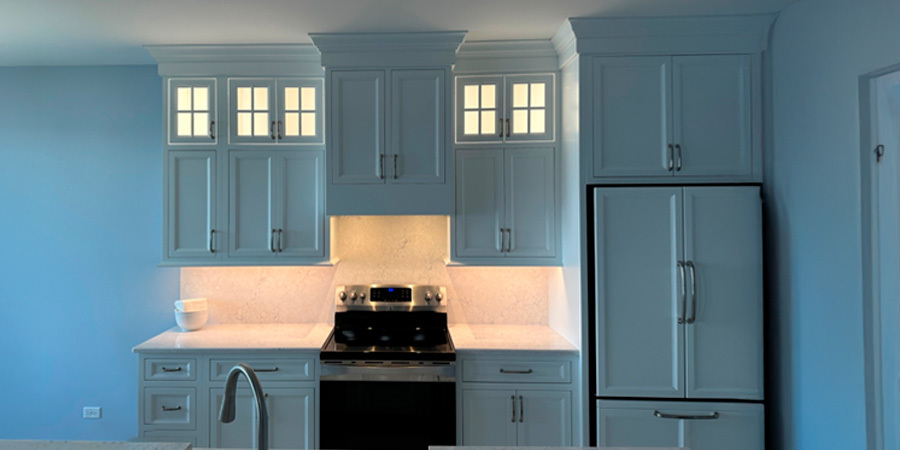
(516,372)
(713,416)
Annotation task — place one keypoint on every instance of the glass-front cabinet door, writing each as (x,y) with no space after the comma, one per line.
(252,110)
(300,111)
(275,111)
(192,110)
(479,109)
(529,113)
(511,108)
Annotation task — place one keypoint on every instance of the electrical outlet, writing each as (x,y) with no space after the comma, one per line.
(91,412)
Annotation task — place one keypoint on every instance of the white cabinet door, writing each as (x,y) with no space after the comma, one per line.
(192,111)
(239,433)
(639,293)
(479,203)
(291,414)
(299,196)
(479,109)
(622,424)
(357,126)
(488,417)
(712,102)
(529,114)
(191,204)
(300,104)
(737,427)
(631,116)
(545,418)
(417,126)
(530,187)
(252,110)
(251,215)
(723,330)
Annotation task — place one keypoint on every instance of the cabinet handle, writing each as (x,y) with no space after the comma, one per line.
(211,246)
(509,241)
(280,133)
(683,292)
(212,125)
(272,130)
(516,372)
(280,240)
(272,241)
(713,416)
(693,317)
(381,165)
(502,248)
(166,369)
(501,127)
(671,164)
(165,408)
(512,401)
(395,167)
(507,127)
(678,152)
(521,409)
(274,369)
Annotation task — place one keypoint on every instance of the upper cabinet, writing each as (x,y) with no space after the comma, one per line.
(191,111)
(683,116)
(511,108)
(388,127)
(275,111)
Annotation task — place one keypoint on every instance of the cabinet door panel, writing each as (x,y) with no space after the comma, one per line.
(250,203)
(724,344)
(417,124)
(300,200)
(529,108)
(239,433)
(191,204)
(300,110)
(625,425)
(192,111)
(291,417)
(639,292)
(545,418)
(531,202)
(252,110)
(487,417)
(631,116)
(479,109)
(738,427)
(357,126)
(479,202)
(712,101)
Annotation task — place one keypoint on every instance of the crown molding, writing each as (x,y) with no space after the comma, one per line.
(388,49)
(506,56)
(241,60)
(564,43)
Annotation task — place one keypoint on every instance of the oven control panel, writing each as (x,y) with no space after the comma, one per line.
(382,297)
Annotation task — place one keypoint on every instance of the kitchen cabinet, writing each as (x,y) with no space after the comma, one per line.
(523,400)
(190,212)
(698,426)
(674,116)
(276,204)
(290,413)
(679,282)
(505,108)
(191,114)
(275,110)
(505,206)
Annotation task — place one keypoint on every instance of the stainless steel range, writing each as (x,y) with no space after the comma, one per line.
(388,367)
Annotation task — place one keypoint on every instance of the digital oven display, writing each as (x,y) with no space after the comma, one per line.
(390,294)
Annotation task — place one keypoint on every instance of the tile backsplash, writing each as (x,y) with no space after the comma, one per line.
(372,249)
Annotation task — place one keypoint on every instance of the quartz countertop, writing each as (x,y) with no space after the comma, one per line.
(225,337)
(508,338)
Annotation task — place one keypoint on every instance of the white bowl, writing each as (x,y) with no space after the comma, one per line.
(191,320)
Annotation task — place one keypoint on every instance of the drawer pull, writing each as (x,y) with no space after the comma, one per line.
(165,408)
(170,369)
(713,416)
(274,369)
(516,372)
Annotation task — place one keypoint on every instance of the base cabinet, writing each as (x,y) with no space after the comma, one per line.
(290,412)
(698,426)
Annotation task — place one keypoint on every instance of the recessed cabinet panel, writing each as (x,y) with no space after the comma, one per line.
(545,418)
(712,101)
(735,429)
(489,417)
(639,292)
(250,204)
(479,202)
(239,433)
(357,127)
(531,202)
(191,204)
(291,417)
(417,138)
(301,200)
(632,117)
(633,427)
(723,244)
(172,408)
(192,111)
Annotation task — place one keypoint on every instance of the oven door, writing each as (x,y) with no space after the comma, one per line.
(387,407)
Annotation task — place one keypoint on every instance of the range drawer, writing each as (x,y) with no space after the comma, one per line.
(516,371)
(170,407)
(271,369)
(170,369)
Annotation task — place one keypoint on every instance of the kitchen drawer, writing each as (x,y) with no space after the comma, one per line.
(170,369)
(270,369)
(173,408)
(516,371)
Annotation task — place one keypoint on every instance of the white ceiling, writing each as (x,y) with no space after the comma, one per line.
(83,32)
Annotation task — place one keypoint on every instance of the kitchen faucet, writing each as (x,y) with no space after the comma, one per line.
(226,414)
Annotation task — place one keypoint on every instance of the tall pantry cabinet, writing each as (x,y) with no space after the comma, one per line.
(669,115)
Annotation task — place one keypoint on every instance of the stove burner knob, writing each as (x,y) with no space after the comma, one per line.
(343,296)
(438,297)
(362,296)
(428,296)
(353,296)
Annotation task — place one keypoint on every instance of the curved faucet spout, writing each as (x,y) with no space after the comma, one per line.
(226,414)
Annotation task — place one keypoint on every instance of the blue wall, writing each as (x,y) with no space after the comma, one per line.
(819,50)
(80,217)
